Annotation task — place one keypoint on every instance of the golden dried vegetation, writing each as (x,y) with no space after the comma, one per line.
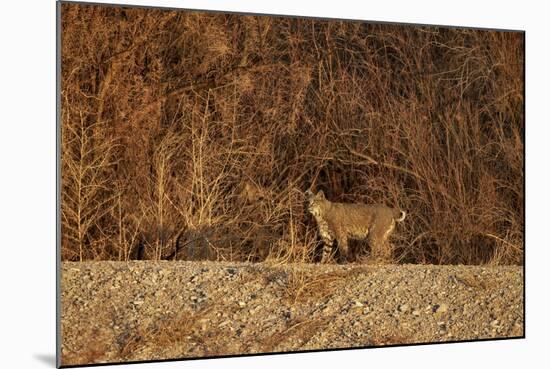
(192,135)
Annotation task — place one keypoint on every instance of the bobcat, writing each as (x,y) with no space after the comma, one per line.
(340,222)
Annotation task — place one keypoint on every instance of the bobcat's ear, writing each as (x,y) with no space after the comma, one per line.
(309,193)
(321,194)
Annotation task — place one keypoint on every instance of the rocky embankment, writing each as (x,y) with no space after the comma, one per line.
(128,311)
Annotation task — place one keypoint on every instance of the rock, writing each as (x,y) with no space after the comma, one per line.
(206,308)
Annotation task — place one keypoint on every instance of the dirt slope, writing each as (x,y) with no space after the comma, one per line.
(126,311)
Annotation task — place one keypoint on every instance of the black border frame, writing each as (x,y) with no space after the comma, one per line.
(58,180)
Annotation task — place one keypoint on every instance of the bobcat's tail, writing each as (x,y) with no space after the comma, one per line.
(399,215)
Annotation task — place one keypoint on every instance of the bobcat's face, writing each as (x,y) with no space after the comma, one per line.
(315,202)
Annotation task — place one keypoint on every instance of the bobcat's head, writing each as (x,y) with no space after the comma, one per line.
(315,202)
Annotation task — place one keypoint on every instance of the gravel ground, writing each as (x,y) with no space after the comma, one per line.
(127,311)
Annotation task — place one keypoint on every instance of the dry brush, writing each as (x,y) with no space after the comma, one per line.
(189,135)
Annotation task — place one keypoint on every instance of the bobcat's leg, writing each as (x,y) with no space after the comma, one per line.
(376,247)
(343,248)
(385,243)
(327,249)
(378,240)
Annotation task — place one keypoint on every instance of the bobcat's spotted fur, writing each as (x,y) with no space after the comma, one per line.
(340,222)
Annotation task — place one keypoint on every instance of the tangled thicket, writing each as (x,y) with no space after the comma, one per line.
(192,135)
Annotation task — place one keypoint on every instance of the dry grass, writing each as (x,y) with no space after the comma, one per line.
(96,349)
(188,135)
(181,331)
(304,287)
(392,339)
(297,333)
(94,353)
(472,280)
